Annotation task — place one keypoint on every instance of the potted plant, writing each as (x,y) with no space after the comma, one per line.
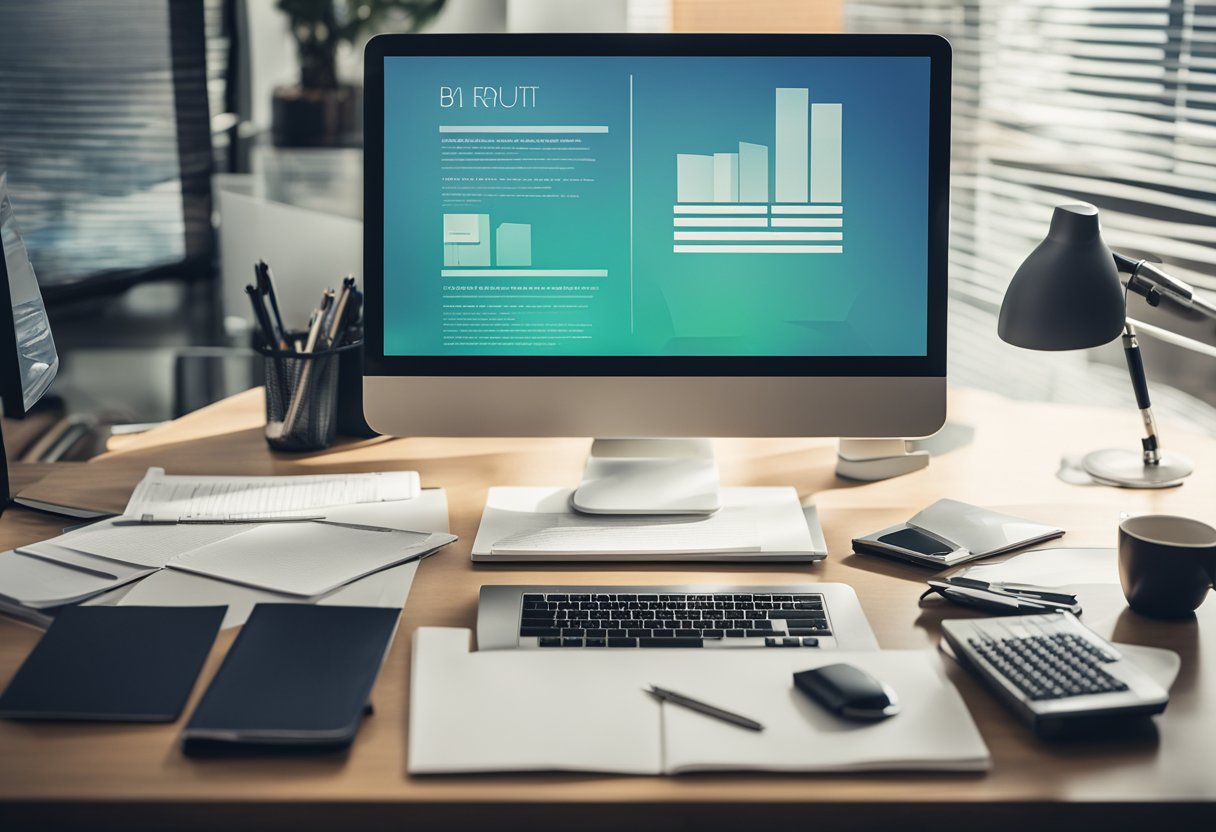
(320,111)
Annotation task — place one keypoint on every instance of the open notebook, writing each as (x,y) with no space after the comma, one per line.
(584,710)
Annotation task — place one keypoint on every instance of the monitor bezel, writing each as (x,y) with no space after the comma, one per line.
(934,47)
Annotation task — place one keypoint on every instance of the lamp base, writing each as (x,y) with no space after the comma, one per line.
(1127,469)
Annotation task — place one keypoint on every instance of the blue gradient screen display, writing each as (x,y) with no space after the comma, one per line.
(684,206)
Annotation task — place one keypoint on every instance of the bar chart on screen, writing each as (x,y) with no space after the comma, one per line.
(724,202)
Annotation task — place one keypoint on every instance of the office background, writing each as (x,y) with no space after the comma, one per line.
(1092,101)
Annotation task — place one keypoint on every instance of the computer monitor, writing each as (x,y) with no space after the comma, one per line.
(656,236)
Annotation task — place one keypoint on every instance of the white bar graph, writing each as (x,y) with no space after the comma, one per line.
(792,146)
(753,172)
(735,222)
(694,178)
(523,128)
(738,204)
(808,209)
(757,249)
(825,152)
(759,235)
(807,222)
(726,177)
(523,272)
(720,209)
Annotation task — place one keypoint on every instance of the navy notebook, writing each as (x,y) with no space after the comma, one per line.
(297,675)
(121,664)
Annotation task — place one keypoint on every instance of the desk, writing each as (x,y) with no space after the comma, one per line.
(134,775)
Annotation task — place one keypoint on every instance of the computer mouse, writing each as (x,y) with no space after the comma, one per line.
(848,692)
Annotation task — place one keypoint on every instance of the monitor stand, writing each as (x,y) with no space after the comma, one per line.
(648,476)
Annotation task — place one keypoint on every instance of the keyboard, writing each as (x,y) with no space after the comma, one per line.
(801,616)
(1051,668)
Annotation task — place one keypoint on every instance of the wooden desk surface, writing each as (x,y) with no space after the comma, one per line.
(60,774)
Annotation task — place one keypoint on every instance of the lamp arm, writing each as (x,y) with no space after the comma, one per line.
(1151,444)
(1152,283)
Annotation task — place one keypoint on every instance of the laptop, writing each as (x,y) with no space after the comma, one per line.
(773,616)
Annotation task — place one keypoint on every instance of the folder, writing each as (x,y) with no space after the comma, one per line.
(297,675)
(114,664)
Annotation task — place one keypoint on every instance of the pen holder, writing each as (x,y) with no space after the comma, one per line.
(302,398)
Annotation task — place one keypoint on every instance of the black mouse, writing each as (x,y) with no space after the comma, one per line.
(849,692)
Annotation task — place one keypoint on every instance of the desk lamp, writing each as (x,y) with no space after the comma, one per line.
(1067,295)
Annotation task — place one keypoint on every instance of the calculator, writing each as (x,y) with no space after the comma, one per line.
(1051,669)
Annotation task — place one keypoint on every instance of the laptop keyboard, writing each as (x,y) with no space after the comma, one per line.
(621,619)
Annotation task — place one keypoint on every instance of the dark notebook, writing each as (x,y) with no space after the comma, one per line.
(297,675)
(122,664)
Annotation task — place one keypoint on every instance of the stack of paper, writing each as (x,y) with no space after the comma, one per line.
(299,558)
(306,559)
(587,711)
(387,588)
(371,522)
(160,496)
(754,524)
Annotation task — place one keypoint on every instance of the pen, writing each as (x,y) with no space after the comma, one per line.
(149,520)
(674,698)
(982,598)
(991,599)
(1025,590)
(264,270)
(280,429)
(263,320)
(337,320)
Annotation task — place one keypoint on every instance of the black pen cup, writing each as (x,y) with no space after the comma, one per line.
(302,397)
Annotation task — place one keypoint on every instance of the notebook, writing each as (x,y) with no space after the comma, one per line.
(119,664)
(297,675)
(586,710)
(951,532)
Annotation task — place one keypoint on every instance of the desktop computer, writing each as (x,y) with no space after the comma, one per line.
(651,239)
(628,236)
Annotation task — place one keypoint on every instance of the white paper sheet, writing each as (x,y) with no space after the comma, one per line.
(932,731)
(387,588)
(41,583)
(524,710)
(556,533)
(171,497)
(155,546)
(428,512)
(306,559)
(1058,567)
(515,710)
(152,546)
(538,524)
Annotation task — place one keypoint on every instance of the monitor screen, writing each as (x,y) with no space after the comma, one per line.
(651,206)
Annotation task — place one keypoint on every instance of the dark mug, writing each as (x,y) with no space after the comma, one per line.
(1166,564)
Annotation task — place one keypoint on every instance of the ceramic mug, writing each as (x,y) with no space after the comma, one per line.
(1167,564)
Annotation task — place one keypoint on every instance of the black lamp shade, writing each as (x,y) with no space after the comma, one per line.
(1066,295)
